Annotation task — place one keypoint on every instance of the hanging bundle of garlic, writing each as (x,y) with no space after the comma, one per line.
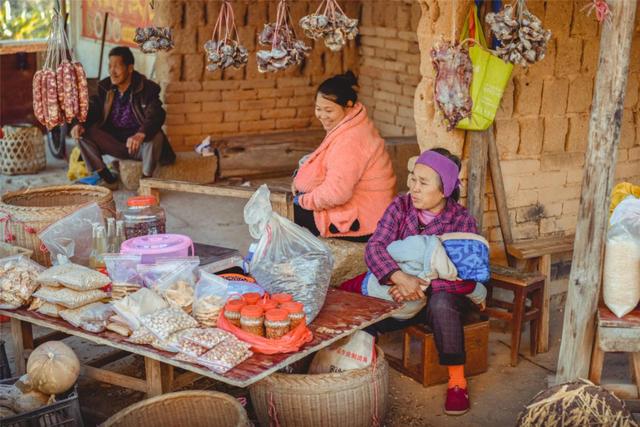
(522,38)
(224,50)
(330,23)
(286,48)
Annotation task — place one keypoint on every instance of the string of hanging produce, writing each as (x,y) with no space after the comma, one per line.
(522,38)
(286,48)
(152,39)
(60,91)
(225,50)
(329,22)
(601,8)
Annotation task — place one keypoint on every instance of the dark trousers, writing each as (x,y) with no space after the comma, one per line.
(97,142)
(444,314)
(304,218)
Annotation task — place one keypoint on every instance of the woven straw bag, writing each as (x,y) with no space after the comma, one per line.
(355,398)
(22,150)
(24,213)
(183,408)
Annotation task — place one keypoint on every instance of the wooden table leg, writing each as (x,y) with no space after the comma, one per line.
(153,372)
(516,324)
(544,267)
(167,373)
(22,335)
(597,361)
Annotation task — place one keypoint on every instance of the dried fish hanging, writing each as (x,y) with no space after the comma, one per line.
(286,48)
(224,52)
(330,23)
(454,71)
(152,39)
(522,38)
(60,91)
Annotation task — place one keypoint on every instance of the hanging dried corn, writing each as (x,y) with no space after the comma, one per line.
(286,48)
(330,23)
(60,92)
(522,38)
(224,49)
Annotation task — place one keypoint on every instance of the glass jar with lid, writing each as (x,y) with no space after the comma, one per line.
(143,216)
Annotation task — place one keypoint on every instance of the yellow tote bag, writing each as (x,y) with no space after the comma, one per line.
(490,77)
(77,168)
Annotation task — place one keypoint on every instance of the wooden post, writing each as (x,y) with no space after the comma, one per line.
(600,162)
(477,176)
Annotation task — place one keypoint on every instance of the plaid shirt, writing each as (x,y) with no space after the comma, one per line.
(400,221)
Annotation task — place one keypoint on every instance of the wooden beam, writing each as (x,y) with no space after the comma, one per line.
(477,175)
(602,153)
(114,378)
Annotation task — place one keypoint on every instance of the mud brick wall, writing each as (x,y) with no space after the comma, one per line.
(232,102)
(541,127)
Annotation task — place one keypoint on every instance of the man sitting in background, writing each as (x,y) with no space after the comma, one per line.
(125,120)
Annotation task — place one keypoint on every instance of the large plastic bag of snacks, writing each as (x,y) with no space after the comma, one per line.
(68,297)
(287,257)
(73,276)
(18,281)
(163,323)
(123,269)
(353,352)
(71,236)
(210,297)
(92,317)
(41,306)
(224,356)
(138,304)
(178,286)
(621,278)
(152,273)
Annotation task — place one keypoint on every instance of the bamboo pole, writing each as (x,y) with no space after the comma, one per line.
(600,161)
(478,157)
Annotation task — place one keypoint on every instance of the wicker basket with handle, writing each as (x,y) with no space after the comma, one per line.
(355,398)
(22,150)
(24,213)
(184,408)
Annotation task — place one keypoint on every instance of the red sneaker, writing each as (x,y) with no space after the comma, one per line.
(457,402)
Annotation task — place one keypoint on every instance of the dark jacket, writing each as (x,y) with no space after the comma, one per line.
(147,109)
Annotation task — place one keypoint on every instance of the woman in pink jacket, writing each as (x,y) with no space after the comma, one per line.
(344,186)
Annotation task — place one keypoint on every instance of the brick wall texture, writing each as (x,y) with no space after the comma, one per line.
(541,127)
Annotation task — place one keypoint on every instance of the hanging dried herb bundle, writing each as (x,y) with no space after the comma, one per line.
(286,49)
(330,23)
(521,35)
(224,50)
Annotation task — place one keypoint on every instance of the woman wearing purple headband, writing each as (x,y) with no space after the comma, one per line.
(430,207)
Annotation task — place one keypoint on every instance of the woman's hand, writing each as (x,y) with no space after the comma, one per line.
(406,287)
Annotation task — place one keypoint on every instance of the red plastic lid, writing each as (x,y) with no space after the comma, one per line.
(234,305)
(277,315)
(252,311)
(281,298)
(267,304)
(293,307)
(139,201)
(251,297)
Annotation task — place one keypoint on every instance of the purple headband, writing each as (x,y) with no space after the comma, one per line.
(445,167)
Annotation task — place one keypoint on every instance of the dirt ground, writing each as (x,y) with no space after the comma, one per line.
(497,396)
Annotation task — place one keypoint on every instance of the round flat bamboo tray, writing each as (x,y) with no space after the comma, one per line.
(348,399)
(24,213)
(22,150)
(184,408)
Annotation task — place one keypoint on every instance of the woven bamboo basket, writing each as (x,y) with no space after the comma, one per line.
(22,150)
(345,399)
(10,250)
(184,408)
(24,213)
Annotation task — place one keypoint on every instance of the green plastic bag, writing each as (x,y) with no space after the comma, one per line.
(490,77)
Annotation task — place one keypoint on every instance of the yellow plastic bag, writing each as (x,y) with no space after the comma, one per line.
(620,192)
(490,77)
(77,167)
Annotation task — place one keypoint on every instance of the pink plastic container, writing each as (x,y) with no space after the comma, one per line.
(158,246)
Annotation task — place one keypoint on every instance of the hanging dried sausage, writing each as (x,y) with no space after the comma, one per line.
(83,92)
(52,106)
(38,105)
(70,90)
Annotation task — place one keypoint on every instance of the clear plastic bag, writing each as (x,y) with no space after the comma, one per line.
(287,258)
(226,355)
(178,344)
(138,304)
(122,269)
(206,337)
(142,336)
(621,275)
(210,297)
(92,317)
(152,273)
(163,323)
(46,308)
(68,297)
(74,276)
(71,236)
(178,286)
(18,281)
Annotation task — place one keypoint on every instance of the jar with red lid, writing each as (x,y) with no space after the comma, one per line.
(143,216)
(252,319)
(281,298)
(251,298)
(232,311)
(276,323)
(296,313)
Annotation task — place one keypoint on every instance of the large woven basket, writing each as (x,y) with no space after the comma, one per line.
(184,408)
(24,213)
(345,399)
(22,150)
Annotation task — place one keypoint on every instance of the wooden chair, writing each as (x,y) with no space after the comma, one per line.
(615,334)
(524,286)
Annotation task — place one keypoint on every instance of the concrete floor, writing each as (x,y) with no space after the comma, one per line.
(497,396)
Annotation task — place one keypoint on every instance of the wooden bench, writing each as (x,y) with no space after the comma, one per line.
(535,255)
(615,334)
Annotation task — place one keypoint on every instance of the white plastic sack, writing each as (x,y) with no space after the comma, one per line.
(287,258)
(621,278)
(627,210)
(353,352)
